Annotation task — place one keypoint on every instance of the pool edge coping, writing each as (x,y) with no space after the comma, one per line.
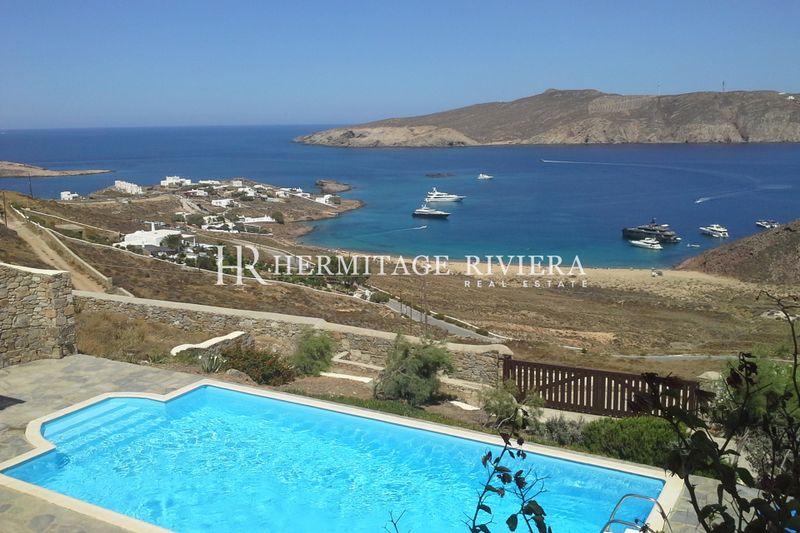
(667,498)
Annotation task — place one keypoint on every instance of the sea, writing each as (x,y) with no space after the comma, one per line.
(560,200)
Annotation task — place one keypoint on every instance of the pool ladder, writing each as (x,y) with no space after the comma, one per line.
(637,527)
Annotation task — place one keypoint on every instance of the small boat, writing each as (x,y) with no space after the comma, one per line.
(715,230)
(483,176)
(693,246)
(429,212)
(650,243)
(439,196)
(767,224)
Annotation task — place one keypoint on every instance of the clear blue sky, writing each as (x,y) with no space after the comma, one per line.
(142,62)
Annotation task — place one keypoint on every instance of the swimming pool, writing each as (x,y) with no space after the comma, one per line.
(223,458)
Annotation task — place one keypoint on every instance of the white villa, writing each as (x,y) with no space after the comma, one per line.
(67,195)
(151,237)
(254,220)
(127,187)
(247,191)
(324,199)
(224,202)
(175,181)
(209,182)
(197,192)
(236,183)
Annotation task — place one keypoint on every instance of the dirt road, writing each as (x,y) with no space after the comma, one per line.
(48,255)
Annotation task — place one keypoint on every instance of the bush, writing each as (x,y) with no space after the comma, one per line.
(379,297)
(559,430)
(411,371)
(503,404)
(211,363)
(314,353)
(644,439)
(481,331)
(278,217)
(264,368)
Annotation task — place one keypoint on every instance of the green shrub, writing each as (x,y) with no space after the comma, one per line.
(559,430)
(314,353)
(278,217)
(481,331)
(411,371)
(379,297)
(644,439)
(211,363)
(264,368)
(504,406)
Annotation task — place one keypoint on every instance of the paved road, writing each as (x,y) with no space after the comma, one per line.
(417,316)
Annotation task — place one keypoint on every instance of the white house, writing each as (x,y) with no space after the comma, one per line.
(254,220)
(247,191)
(236,183)
(197,192)
(212,219)
(67,195)
(324,199)
(175,181)
(127,187)
(209,182)
(151,237)
(224,202)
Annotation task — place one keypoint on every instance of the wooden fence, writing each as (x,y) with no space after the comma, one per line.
(585,390)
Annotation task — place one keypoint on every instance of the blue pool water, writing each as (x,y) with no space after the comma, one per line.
(577,205)
(219,460)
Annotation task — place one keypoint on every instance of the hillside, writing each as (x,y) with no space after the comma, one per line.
(769,257)
(588,116)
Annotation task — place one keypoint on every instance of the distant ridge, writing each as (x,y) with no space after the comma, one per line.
(771,256)
(588,117)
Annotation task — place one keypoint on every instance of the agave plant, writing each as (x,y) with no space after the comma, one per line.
(211,363)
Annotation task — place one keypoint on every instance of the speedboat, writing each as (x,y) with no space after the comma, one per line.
(439,196)
(690,245)
(649,243)
(767,224)
(661,232)
(483,176)
(429,212)
(715,230)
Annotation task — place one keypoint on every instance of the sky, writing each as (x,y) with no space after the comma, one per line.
(110,63)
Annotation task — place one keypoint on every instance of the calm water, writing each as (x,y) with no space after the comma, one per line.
(218,460)
(577,205)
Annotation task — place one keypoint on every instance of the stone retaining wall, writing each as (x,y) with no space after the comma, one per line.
(37,317)
(473,362)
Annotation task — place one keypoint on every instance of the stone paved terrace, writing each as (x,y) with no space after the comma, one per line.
(52,384)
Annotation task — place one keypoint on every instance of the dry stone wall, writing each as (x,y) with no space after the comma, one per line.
(37,316)
(479,363)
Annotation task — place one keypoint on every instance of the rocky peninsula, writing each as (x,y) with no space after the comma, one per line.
(10,169)
(587,117)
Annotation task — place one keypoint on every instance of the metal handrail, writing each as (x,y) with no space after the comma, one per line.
(613,520)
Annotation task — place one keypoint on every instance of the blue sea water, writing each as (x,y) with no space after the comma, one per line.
(574,205)
(215,460)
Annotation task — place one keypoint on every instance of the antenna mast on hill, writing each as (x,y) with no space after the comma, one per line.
(723,85)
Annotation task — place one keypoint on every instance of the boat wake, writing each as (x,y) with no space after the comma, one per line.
(704,199)
(415,228)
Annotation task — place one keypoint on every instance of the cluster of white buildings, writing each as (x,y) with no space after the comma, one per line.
(127,187)
(175,181)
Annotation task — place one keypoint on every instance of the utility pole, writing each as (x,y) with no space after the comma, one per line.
(30,184)
(5,210)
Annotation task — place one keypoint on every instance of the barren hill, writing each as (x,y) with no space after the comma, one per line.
(588,116)
(772,256)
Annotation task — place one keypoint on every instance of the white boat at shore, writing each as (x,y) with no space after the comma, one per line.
(439,196)
(715,230)
(767,224)
(484,177)
(650,243)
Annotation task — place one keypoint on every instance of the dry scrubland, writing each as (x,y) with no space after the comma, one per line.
(148,278)
(620,312)
(16,251)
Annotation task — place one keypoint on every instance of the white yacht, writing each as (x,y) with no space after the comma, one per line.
(439,196)
(767,224)
(483,176)
(715,230)
(429,212)
(649,242)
